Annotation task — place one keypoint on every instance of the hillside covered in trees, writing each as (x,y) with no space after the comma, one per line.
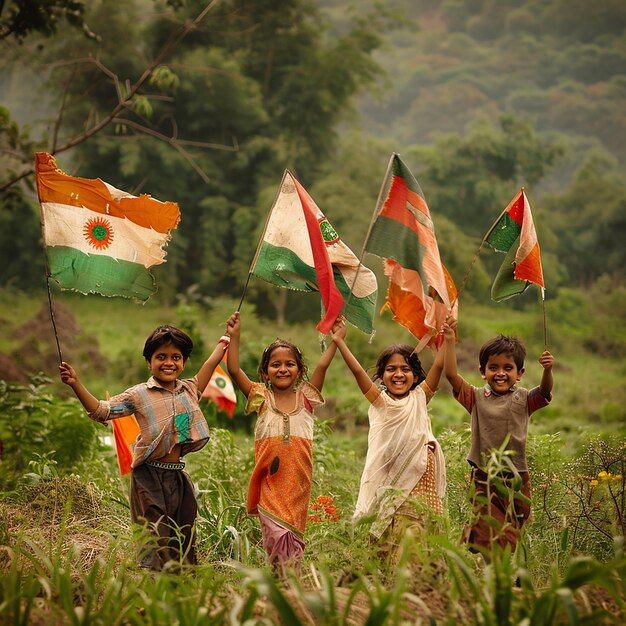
(208,104)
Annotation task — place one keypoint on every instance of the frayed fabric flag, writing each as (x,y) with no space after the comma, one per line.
(301,250)
(421,291)
(100,239)
(125,433)
(514,234)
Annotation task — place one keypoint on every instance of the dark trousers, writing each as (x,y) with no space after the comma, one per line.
(497,518)
(164,500)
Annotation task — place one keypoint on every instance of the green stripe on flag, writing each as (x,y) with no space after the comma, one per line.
(398,168)
(358,311)
(95,273)
(504,234)
(280,266)
(505,285)
(392,240)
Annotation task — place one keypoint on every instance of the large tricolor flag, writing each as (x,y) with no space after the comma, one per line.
(301,250)
(514,233)
(99,239)
(220,389)
(421,290)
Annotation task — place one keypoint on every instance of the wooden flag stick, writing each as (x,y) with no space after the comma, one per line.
(47,269)
(245,288)
(54,326)
(258,248)
(545,319)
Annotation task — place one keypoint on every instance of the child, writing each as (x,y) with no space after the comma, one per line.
(171,425)
(499,410)
(404,464)
(280,486)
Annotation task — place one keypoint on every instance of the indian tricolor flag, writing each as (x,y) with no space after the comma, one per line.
(220,389)
(301,250)
(99,239)
(514,233)
(402,233)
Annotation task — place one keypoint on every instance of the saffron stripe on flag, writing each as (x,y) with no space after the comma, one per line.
(53,185)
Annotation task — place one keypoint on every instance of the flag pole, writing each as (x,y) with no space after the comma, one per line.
(46,267)
(375,214)
(54,326)
(258,248)
(545,319)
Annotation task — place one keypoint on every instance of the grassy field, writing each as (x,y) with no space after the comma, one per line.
(67,546)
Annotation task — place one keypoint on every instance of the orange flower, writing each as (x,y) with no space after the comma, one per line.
(325,510)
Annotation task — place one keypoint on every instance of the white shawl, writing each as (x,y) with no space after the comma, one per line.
(397,454)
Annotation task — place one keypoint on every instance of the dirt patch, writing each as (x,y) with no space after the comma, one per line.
(37,350)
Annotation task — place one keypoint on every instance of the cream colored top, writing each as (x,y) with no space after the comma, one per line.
(397,453)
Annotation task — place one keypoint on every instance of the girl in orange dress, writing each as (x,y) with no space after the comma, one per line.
(284,400)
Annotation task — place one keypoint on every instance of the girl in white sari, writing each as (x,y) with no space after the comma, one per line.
(404,461)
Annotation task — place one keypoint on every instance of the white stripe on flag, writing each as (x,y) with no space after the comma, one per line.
(69,226)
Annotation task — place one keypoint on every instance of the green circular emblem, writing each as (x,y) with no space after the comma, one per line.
(220,382)
(99,232)
(328,232)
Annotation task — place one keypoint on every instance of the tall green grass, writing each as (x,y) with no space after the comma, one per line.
(67,549)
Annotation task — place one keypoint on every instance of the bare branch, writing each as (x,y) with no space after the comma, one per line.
(125,100)
(174,139)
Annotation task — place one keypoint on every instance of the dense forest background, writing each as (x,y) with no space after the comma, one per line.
(478,97)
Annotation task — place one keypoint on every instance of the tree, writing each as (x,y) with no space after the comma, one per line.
(590,219)
(471,178)
(20,18)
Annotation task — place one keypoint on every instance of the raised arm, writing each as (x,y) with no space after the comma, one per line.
(363,380)
(450,367)
(319,373)
(547,379)
(70,377)
(445,351)
(233,327)
(208,367)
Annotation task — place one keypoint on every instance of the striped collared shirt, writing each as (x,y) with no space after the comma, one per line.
(165,417)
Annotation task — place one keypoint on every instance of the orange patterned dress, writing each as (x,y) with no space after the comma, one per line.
(280,486)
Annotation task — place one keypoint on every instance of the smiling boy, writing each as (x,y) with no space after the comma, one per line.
(500,410)
(171,425)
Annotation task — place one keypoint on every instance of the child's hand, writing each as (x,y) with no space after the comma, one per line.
(233,325)
(224,341)
(546,360)
(68,374)
(338,331)
(449,327)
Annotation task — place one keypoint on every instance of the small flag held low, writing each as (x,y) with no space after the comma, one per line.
(220,389)
(99,239)
(514,234)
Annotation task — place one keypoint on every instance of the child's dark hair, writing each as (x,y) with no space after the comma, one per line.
(503,344)
(281,343)
(163,335)
(409,356)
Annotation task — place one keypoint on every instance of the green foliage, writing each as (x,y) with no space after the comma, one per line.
(585,498)
(23,18)
(30,420)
